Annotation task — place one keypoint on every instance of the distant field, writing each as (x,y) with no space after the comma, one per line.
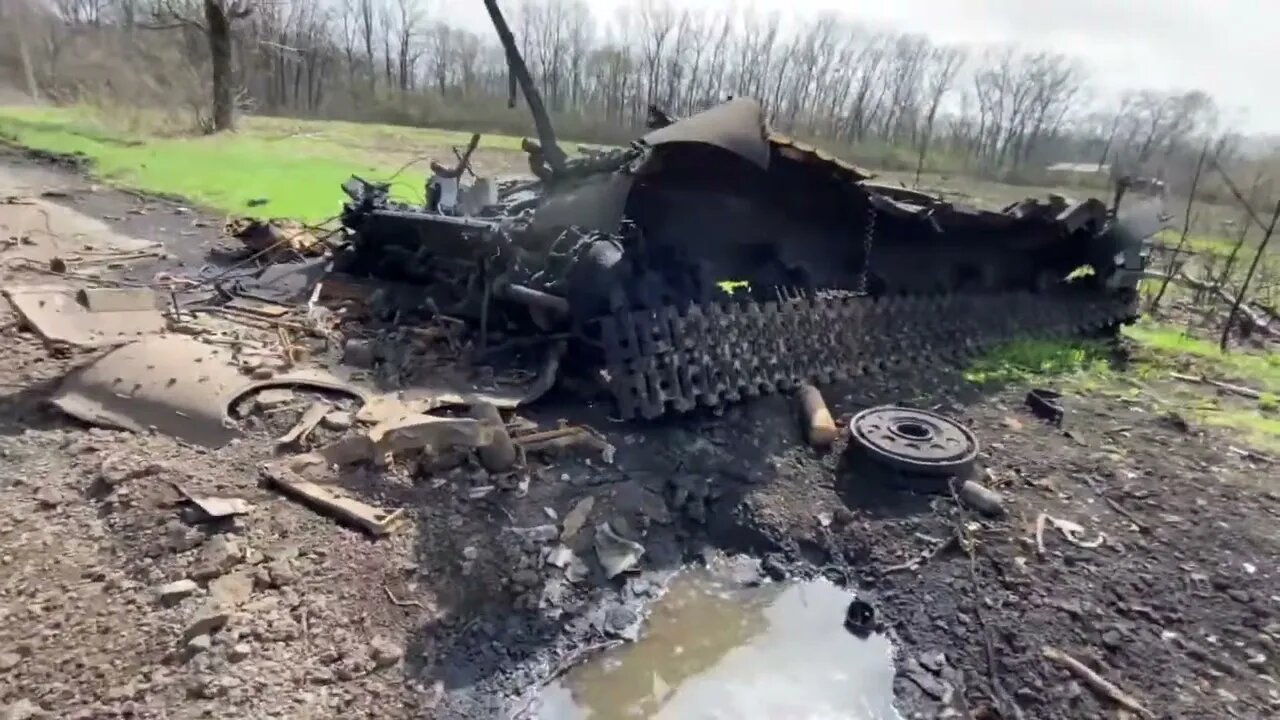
(297,165)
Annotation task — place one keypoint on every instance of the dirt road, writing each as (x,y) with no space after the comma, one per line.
(1141,548)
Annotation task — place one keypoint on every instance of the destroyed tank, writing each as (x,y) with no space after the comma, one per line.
(714,259)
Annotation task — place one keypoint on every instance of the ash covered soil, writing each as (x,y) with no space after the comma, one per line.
(1154,564)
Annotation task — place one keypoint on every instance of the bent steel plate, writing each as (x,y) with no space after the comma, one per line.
(917,441)
(736,126)
(173,384)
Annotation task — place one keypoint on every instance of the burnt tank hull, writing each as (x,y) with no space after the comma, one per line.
(833,276)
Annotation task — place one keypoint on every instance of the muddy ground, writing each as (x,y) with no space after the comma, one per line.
(1169,589)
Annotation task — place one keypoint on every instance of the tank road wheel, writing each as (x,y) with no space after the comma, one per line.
(916,441)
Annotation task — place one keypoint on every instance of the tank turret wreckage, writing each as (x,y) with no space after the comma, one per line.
(714,259)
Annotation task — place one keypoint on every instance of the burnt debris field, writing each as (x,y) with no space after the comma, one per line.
(709,422)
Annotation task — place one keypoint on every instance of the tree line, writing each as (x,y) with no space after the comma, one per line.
(895,97)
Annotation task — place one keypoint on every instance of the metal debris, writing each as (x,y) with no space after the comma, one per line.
(576,518)
(329,500)
(1046,404)
(916,441)
(278,235)
(616,553)
(980,498)
(563,438)
(819,426)
(173,384)
(626,249)
(60,314)
(308,422)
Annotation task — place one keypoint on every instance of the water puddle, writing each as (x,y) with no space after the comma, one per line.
(713,649)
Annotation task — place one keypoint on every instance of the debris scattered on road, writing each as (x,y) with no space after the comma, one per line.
(171,593)
(375,521)
(1225,387)
(914,441)
(499,455)
(1047,405)
(576,517)
(313,416)
(1071,530)
(1096,682)
(216,508)
(819,426)
(61,315)
(563,438)
(616,553)
(980,498)
(173,384)
(276,235)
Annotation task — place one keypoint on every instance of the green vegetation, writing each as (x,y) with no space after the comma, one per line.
(1211,245)
(1158,351)
(297,165)
(1027,359)
(1170,348)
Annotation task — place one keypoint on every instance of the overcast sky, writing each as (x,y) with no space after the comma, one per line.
(1228,48)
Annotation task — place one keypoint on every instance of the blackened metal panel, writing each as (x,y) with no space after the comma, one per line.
(596,204)
(736,126)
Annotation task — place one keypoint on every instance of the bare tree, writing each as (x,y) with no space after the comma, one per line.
(218,18)
(942,65)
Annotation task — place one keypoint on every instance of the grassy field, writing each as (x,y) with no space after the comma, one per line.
(1159,353)
(297,166)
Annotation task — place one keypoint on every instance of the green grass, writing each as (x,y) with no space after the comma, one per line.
(1213,245)
(1168,346)
(297,166)
(1027,359)
(1158,352)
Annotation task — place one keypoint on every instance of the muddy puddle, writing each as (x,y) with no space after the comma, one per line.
(715,649)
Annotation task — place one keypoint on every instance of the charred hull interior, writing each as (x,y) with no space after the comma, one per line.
(686,263)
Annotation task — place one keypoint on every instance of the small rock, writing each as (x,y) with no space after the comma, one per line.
(1240,596)
(181,538)
(622,622)
(217,557)
(239,652)
(559,557)
(281,551)
(385,653)
(9,661)
(262,373)
(22,709)
(232,590)
(525,578)
(774,566)
(199,644)
(338,420)
(358,353)
(283,573)
(933,661)
(208,619)
(48,497)
(177,590)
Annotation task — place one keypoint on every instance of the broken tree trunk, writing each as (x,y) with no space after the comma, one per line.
(218,17)
(1244,286)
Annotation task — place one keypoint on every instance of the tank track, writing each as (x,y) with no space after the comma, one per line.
(708,355)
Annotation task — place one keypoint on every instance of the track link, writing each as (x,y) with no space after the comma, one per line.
(666,360)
